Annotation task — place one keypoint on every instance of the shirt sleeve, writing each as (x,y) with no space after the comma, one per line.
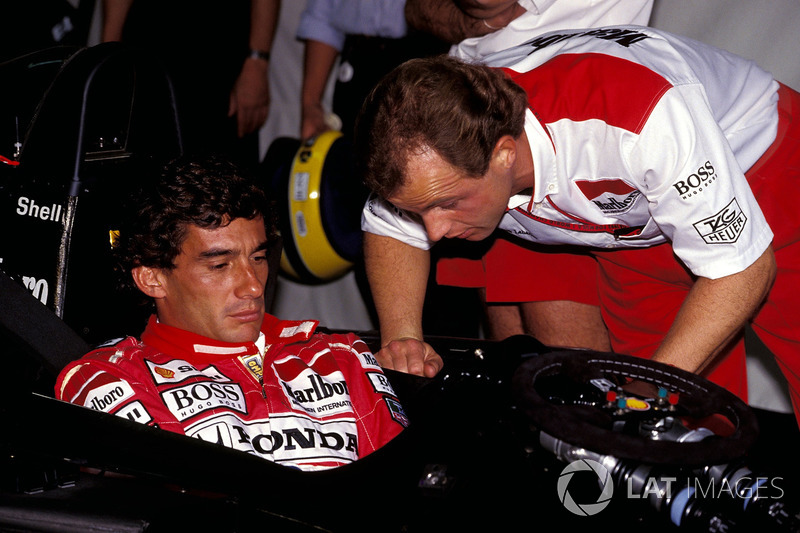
(697,193)
(382,218)
(329,21)
(318,23)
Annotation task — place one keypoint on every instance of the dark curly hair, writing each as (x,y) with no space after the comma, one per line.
(207,192)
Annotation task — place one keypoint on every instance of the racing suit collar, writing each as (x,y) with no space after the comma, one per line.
(175,341)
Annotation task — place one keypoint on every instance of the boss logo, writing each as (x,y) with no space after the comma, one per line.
(694,183)
(381,383)
(189,400)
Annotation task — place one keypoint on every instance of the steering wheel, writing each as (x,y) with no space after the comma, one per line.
(587,399)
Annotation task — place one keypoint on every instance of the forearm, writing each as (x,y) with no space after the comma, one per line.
(715,311)
(485,9)
(453,21)
(318,64)
(443,19)
(319,60)
(114,14)
(263,23)
(249,97)
(397,274)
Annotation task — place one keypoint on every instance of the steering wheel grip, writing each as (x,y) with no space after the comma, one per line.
(590,428)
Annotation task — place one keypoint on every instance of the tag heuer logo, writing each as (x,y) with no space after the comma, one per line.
(724,227)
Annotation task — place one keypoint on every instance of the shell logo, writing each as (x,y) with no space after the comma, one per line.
(164,372)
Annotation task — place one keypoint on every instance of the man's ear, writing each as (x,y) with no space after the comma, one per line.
(148,280)
(505,151)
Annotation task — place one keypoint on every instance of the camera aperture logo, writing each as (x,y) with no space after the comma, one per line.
(606,484)
(739,486)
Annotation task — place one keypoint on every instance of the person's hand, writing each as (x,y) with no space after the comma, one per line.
(495,14)
(484,8)
(249,99)
(411,356)
(313,121)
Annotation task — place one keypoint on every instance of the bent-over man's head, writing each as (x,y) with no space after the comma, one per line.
(457,109)
(442,139)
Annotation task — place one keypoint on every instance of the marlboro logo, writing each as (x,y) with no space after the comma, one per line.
(611,196)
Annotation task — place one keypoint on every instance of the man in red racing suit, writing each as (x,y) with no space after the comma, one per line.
(211,363)
(311,401)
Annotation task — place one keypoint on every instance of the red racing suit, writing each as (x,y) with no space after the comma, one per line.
(312,401)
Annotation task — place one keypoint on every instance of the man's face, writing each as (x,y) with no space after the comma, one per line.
(217,286)
(451,203)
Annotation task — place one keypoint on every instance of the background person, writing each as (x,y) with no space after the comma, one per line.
(476,28)
(368,38)
(218,58)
